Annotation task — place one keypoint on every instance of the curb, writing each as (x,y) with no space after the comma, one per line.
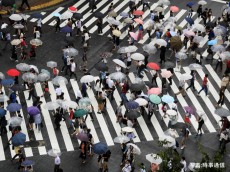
(38,7)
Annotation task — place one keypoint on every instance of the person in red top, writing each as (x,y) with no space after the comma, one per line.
(204,85)
(71,117)
(228,67)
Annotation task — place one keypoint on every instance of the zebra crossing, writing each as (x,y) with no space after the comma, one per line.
(104,128)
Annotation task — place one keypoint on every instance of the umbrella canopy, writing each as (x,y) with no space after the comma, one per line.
(35,68)
(72,9)
(225,55)
(121,139)
(124,14)
(7,3)
(77,16)
(155,99)
(137,56)
(87,79)
(69,104)
(189,20)
(118,76)
(138,13)
(167,141)
(98,14)
(57,14)
(112,14)
(7,82)
(128,20)
(137,86)
(133,114)
(100,148)
(18,88)
(59,79)
(13,107)
(3,98)
(71,52)
(18,139)
(199,27)
(69,39)
(132,105)
(33,110)
(176,43)
(54,152)
(15,17)
(195,66)
(112,21)
(217,47)
(45,71)
(189,33)
(128,49)
(167,99)
(141,101)
(80,113)
(101,67)
(66,29)
(85,101)
(212,42)
(171,132)
(139,21)
(136,149)
(166,73)
(51,64)
(36,42)
(155,91)
(2,112)
(149,49)
(13,72)
(181,55)
(174,9)
(154,158)
(220,30)
(37,15)
(185,76)
(163,2)
(66,15)
(153,66)
(222,112)
(16,42)
(23,67)
(127,129)
(159,9)
(83,137)
(134,35)
(43,77)
(198,39)
(51,105)
(171,112)
(160,42)
(2,76)
(29,77)
(190,4)
(202,2)
(15,121)
(27,163)
(117,33)
(119,63)
(189,109)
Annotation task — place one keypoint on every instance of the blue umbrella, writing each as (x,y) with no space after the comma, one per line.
(124,14)
(37,15)
(27,163)
(18,139)
(100,148)
(167,99)
(190,4)
(189,20)
(66,29)
(56,14)
(33,110)
(7,82)
(13,107)
(212,42)
(2,112)
(132,105)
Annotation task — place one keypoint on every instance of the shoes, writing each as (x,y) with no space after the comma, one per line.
(99,112)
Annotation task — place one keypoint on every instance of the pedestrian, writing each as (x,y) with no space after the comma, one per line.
(45,87)
(57,26)
(199,11)
(140,32)
(200,121)
(204,16)
(32,92)
(224,139)
(100,103)
(84,90)
(25,2)
(224,82)
(225,124)
(92,5)
(106,157)
(57,163)
(73,67)
(192,81)
(83,147)
(162,54)
(118,113)
(79,24)
(57,119)
(127,167)
(219,63)
(150,110)
(209,15)
(220,102)
(190,12)
(8,40)
(104,96)
(3,124)
(39,25)
(181,91)
(185,134)
(19,154)
(164,109)
(204,85)
(99,26)
(149,29)
(111,88)
(145,3)
(32,52)
(55,72)
(90,112)
(37,33)
(184,164)
(187,117)
(124,91)
(38,122)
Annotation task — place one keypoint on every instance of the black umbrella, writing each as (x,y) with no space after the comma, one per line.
(69,39)
(169,65)
(189,20)
(223,23)
(18,88)
(101,67)
(137,87)
(77,16)
(210,25)
(8,3)
(98,15)
(37,15)
(133,114)
(5,30)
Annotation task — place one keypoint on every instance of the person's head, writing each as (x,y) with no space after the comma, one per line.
(206,75)
(34,104)
(183,158)
(71,61)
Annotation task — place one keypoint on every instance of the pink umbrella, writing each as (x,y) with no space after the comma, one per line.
(155,91)
(189,109)
(166,74)
(133,35)
(138,21)
(189,33)
(174,9)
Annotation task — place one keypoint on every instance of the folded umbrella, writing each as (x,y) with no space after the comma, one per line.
(167,141)
(18,139)
(100,148)
(137,56)
(80,113)
(119,63)
(87,79)
(2,112)
(132,114)
(132,105)
(59,79)
(141,101)
(29,77)
(51,64)
(83,137)
(13,107)
(54,152)
(155,91)
(167,99)
(66,29)
(13,72)
(222,112)
(136,149)
(154,158)
(51,105)
(33,110)
(121,139)
(23,67)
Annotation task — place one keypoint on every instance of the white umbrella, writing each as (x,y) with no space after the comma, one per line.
(15,17)
(198,39)
(110,19)
(69,104)
(85,101)
(185,76)
(171,132)
(29,77)
(3,98)
(2,76)
(43,77)
(202,2)
(168,141)
(54,152)
(18,26)
(51,64)
(163,2)
(16,42)
(71,51)
(115,22)
(51,105)
(36,42)
(166,73)
(217,47)
(201,114)
(23,67)
(136,149)
(149,48)
(35,68)
(66,15)
(195,66)
(118,76)
(160,42)
(15,121)
(199,27)
(87,79)
(171,112)
(59,79)
(121,139)
(137,56)
(120,63)
(159,9)
(127,129)
(181,55)
(141,101)
(154,158)
(129,49)
(225,55)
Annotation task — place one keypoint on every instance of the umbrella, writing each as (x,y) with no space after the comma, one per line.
(51,105)
(7,82)
(71,52)
(136,149)
(7,3)
(112,14)
(13,107)
(66,29)
(87,79)
(69,39)
(137,56)
(56,14)
(141,101)
(225,55)
(155,91)
(210,25)
(2,76)
(173,33)
(139,21)
(128,20)
(132,105)
(201,114)
(188,33)
(212,42)
(35,68)
(106,55)
(189,109)
(18,139)
(167,99)
(155,99)
(133,35)
(216,48)
(101,67)
(72,9)
(2,112)
(13,72)
(23,67)
(33,110)
(29,77)
(119,63)
(171,112)
(59,79)
(189,20)
(83,137)
(138,13)
(15,17)
(100,148)
(118,76)
(164,2)
(43,77)
(202,2)
(137,86)
(167,141)
(153,66)
(36,42)
(222,112)
(166,73)
(3,98)
(121,139)
(18,88)
(16,42)
(114,22)
(66,15)
(171,132)
(77,16)
(169,65)
(198,39)
(174,9)
(124,14)
(54,152)
(176,43)
(190,4)
(128,49)
(220,30)
(154,158)
(195,66)
(181,55)
(117,33)
(98,15)
(159,9)
(199,27)
(85,101)
(27,163)
(37,15)
(51,64)
(185,76)
(80,113)
(69,104)
(133,114)
(161,42)
(15,121)
(45,71)
(149,49)
(127,129)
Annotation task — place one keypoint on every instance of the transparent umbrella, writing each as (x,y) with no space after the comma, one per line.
(217,47)
(121,139)
(154,158)
(43,77)
(71,52)
(15,121)
(85,101)
(29,77)
(149,48)
(120,63)
(137,56)
(54,152)
(23,67)
(87,79)
(51,105)
(35,68)
(3,98)
(2,76)
(136,149)
(45,71)
(167,141)
(36,42)
(59,79)
(51,64)
(128,49)
(118,76)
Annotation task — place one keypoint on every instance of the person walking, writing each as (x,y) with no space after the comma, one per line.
(224,139)
(90,112)
(100,103)
(32,92)
(192,80)
(204,85)
(8,40)
(200,121)
(83,147)
(224,82)
(25,2)
(72,69)
(92,5)
(220,102)
(57,119)
(57,26)
(99,26)
(162,54)
(140,31)
(57,163)
(3,124)
(185,134)
(199,11)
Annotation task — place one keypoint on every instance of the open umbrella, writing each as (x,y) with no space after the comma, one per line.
(137,86)
(217,47)
(66,29)
(167,141)
(163,2)
(100,148)
(83,137)
(15,17)
(166,73)
(154,158)
(138,13)
(155,99)
(128,20)
(137,56)
(133,114)
(54,152)
(185,76)
(153,66)
(51,105)
(18,139)
(13,72)
(69,39)
(3,98)
(169,65)
(80,113)
(155,91)
(15,121)
(174,9)
(176,43)
(7,82)
(190,4)
(116,33)
(2,76)
(198,39)
(210,25)
(66,15)
(202,2)
(36,42)
(33,110)
(35,68)
(71,52)
(132,105)
(98,14)
(2,112)
(13,107)
(220,30)
(222,112)
(141,101)
(195,66)
(159,9)
(139,21)
(120,63)
(27,163)
(43,77)
(171,132)
(189,20)
(16,42)
(199,27)
(45,71)
(167,99)
(51,64)
(69,104)
(149,49)
(29,77)
(106,55)
(160,42)
(181,55)
(85,101)
(134,35)
(112,14)
(127,129)
(124,14)
(87,79)
(118,76)
(77,16)
(101,67)
(189,109)
(37,15)
(114,22)
(128,49)
(57,14)
(171,112)
(212,42)
(136,149)
(189,33)
(72,9)
(121,139)
(23,67)
(59,79)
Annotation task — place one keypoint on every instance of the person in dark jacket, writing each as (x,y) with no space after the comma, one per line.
(162,54)
(99,26)
(199,11)
(57,26)
(92,5)
(3,124)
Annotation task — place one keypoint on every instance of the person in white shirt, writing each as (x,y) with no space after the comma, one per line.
(58,91)
(72,69)
(129,60)
(57,162)
(104,95)
(78,95)
(111,87)
(79,24)
(127,167)
(39,25)
(184,163)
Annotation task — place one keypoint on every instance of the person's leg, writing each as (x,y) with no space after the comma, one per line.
(206,90)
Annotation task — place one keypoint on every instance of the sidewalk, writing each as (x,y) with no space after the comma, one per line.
(34,5)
